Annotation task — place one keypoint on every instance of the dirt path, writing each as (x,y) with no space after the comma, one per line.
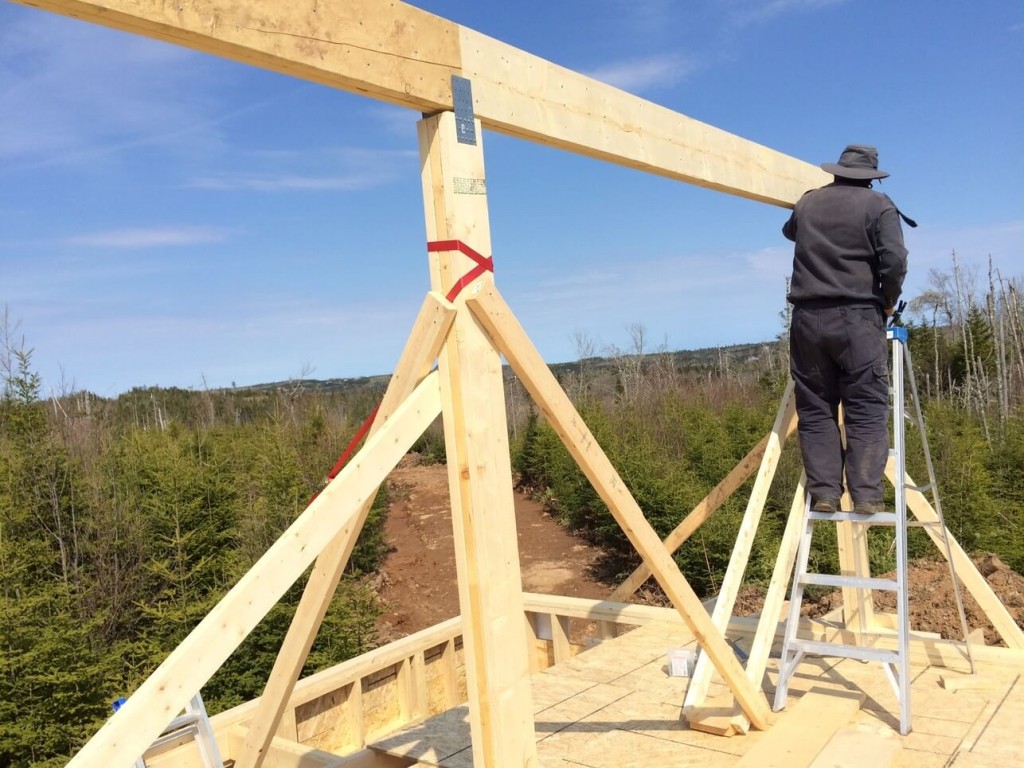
(418,580)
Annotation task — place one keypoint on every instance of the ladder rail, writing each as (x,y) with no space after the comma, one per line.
(933,486)
(900,676)
(788,666)
(196,722)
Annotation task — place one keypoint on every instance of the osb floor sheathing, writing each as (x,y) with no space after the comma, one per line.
(615,706)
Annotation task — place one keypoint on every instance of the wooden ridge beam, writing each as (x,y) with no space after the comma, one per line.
(397,53)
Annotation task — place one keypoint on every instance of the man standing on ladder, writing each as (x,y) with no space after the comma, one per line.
(848,268)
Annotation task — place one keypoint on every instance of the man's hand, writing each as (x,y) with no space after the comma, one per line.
(889,311)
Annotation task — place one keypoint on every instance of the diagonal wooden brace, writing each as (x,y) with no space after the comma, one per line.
(421,349)
(511,340)
(164,693)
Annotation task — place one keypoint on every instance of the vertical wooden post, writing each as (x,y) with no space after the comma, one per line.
(479,468)
(858,603)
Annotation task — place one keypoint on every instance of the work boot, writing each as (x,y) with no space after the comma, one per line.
(825,505)
(868,507)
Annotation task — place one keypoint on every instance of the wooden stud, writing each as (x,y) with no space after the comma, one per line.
(164,693)
(428,333)
(785,422)
(852,541)
(533,642)
(560,638)
(858,604)
(510,338)
(449,674)
(412,688)
(479,466)
(288,728)
(354,713)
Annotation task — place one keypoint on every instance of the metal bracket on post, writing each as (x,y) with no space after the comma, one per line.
(462,98)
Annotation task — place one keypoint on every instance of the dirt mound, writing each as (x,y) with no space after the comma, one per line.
(933,603)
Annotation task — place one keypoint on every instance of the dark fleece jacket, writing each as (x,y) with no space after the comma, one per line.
(849,246)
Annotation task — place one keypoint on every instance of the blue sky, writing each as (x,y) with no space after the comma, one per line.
(169,218)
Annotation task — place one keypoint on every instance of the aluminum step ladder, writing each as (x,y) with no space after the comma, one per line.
(195,723)
(896,662)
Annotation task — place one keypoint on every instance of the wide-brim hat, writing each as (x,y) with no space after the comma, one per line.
(856,162)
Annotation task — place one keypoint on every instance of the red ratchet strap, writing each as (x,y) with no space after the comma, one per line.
(343,459)
(483,263)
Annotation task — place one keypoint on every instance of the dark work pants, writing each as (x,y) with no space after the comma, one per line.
(838,354)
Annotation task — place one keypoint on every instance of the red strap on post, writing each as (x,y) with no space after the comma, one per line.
(483,263)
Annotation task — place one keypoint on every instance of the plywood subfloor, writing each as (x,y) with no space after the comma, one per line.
(615,706)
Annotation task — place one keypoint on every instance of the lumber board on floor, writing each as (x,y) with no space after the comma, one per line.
(797,738)
(856,746)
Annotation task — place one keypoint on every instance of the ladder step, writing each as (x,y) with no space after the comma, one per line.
(858,652)
(878,518)
(860,582)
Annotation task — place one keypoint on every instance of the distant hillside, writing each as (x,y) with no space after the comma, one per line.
(705,358)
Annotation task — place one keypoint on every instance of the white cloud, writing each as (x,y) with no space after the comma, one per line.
(933,247)
(286,171)
(757,11)
(156,237)
(290,182)
(634,75)
(74,90)
(397,121)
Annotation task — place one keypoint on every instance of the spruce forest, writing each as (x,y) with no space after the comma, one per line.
(124,520)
